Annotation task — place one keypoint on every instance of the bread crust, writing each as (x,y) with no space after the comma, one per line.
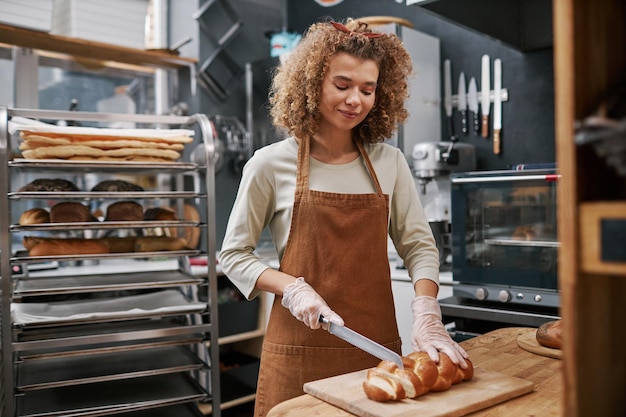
(124,211)
(61,247)
(34,216)
(379,387)
(69,212)
(381,381)
(549,334)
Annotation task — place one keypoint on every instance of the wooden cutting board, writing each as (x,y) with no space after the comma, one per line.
(528,342)
(485,389)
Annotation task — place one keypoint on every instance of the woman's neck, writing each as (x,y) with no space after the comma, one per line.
(334,148)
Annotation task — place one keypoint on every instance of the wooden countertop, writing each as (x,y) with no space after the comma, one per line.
(496,351)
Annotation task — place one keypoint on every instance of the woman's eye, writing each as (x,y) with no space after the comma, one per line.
(342,87)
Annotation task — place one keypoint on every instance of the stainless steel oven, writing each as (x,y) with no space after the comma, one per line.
(504,248)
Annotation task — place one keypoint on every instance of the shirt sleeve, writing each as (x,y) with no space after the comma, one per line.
(250,214)
(409,228)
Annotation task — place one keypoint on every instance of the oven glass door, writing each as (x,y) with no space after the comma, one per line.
(504,228)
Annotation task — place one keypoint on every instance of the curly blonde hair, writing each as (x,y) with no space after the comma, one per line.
(296,86)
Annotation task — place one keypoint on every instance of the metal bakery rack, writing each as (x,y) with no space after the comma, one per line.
(130,334)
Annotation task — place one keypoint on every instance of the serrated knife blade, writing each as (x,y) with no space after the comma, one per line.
(363,343)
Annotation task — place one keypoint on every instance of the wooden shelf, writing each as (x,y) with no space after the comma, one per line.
(92,50)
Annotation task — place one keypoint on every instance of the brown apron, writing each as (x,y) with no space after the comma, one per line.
(338,243)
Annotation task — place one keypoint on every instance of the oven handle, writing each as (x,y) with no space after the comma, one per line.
(546,177)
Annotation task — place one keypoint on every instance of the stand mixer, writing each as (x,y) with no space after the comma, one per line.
(433,162)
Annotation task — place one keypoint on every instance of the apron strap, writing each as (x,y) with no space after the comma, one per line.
(303,167)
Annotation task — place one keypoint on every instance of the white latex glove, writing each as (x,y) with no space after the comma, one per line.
(307,305)
(429,333)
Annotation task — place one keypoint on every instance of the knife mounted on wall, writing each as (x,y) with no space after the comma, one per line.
(447,96)
(485,90)
(462,102)
(472,102)
(497,104)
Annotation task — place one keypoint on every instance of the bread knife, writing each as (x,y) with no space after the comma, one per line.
(485,88)
(497,104)
(363,343)
(462,102)
(472,102)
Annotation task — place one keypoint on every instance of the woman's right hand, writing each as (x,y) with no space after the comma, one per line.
(307,305)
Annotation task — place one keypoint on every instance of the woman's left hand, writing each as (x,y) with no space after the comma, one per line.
(429,333)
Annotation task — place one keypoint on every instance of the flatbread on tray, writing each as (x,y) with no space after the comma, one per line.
(76,151)
(36,141)
(101,144)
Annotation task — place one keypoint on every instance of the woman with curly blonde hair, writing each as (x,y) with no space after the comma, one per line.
(331,195)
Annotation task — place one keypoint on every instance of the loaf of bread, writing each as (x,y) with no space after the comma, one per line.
(49,185)
(549,334)
(70,246)
(70,211)
(48,246)
(159,243)
(116,186)
(34,216)
(420,375)
(124,211)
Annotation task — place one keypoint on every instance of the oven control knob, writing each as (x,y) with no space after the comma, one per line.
(504,296)
(482,294)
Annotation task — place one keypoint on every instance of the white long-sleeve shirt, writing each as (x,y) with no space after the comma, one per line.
(265,199)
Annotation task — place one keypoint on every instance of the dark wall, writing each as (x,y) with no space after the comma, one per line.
(527,116)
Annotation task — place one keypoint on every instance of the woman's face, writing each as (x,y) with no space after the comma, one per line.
(348,91)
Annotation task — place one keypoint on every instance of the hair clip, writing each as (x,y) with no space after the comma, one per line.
(342,28)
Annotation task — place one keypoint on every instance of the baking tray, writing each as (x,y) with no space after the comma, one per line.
(156,304)
(66,371)
(103,225)
(100,195)
(88,166)
(111,397)
(99,348)
(127,255)
(72,284)
(95,335)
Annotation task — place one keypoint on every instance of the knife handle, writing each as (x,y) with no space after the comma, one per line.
(485,132)
(496,141)
(464,121)
(476,123)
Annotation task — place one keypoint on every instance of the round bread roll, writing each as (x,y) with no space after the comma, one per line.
(34,216)
(160,214)
(49,185)
(124,211)
(70,211)
(116,186)
(549,334)
(191,234)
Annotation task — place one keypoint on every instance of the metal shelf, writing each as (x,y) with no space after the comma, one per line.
(100,342)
